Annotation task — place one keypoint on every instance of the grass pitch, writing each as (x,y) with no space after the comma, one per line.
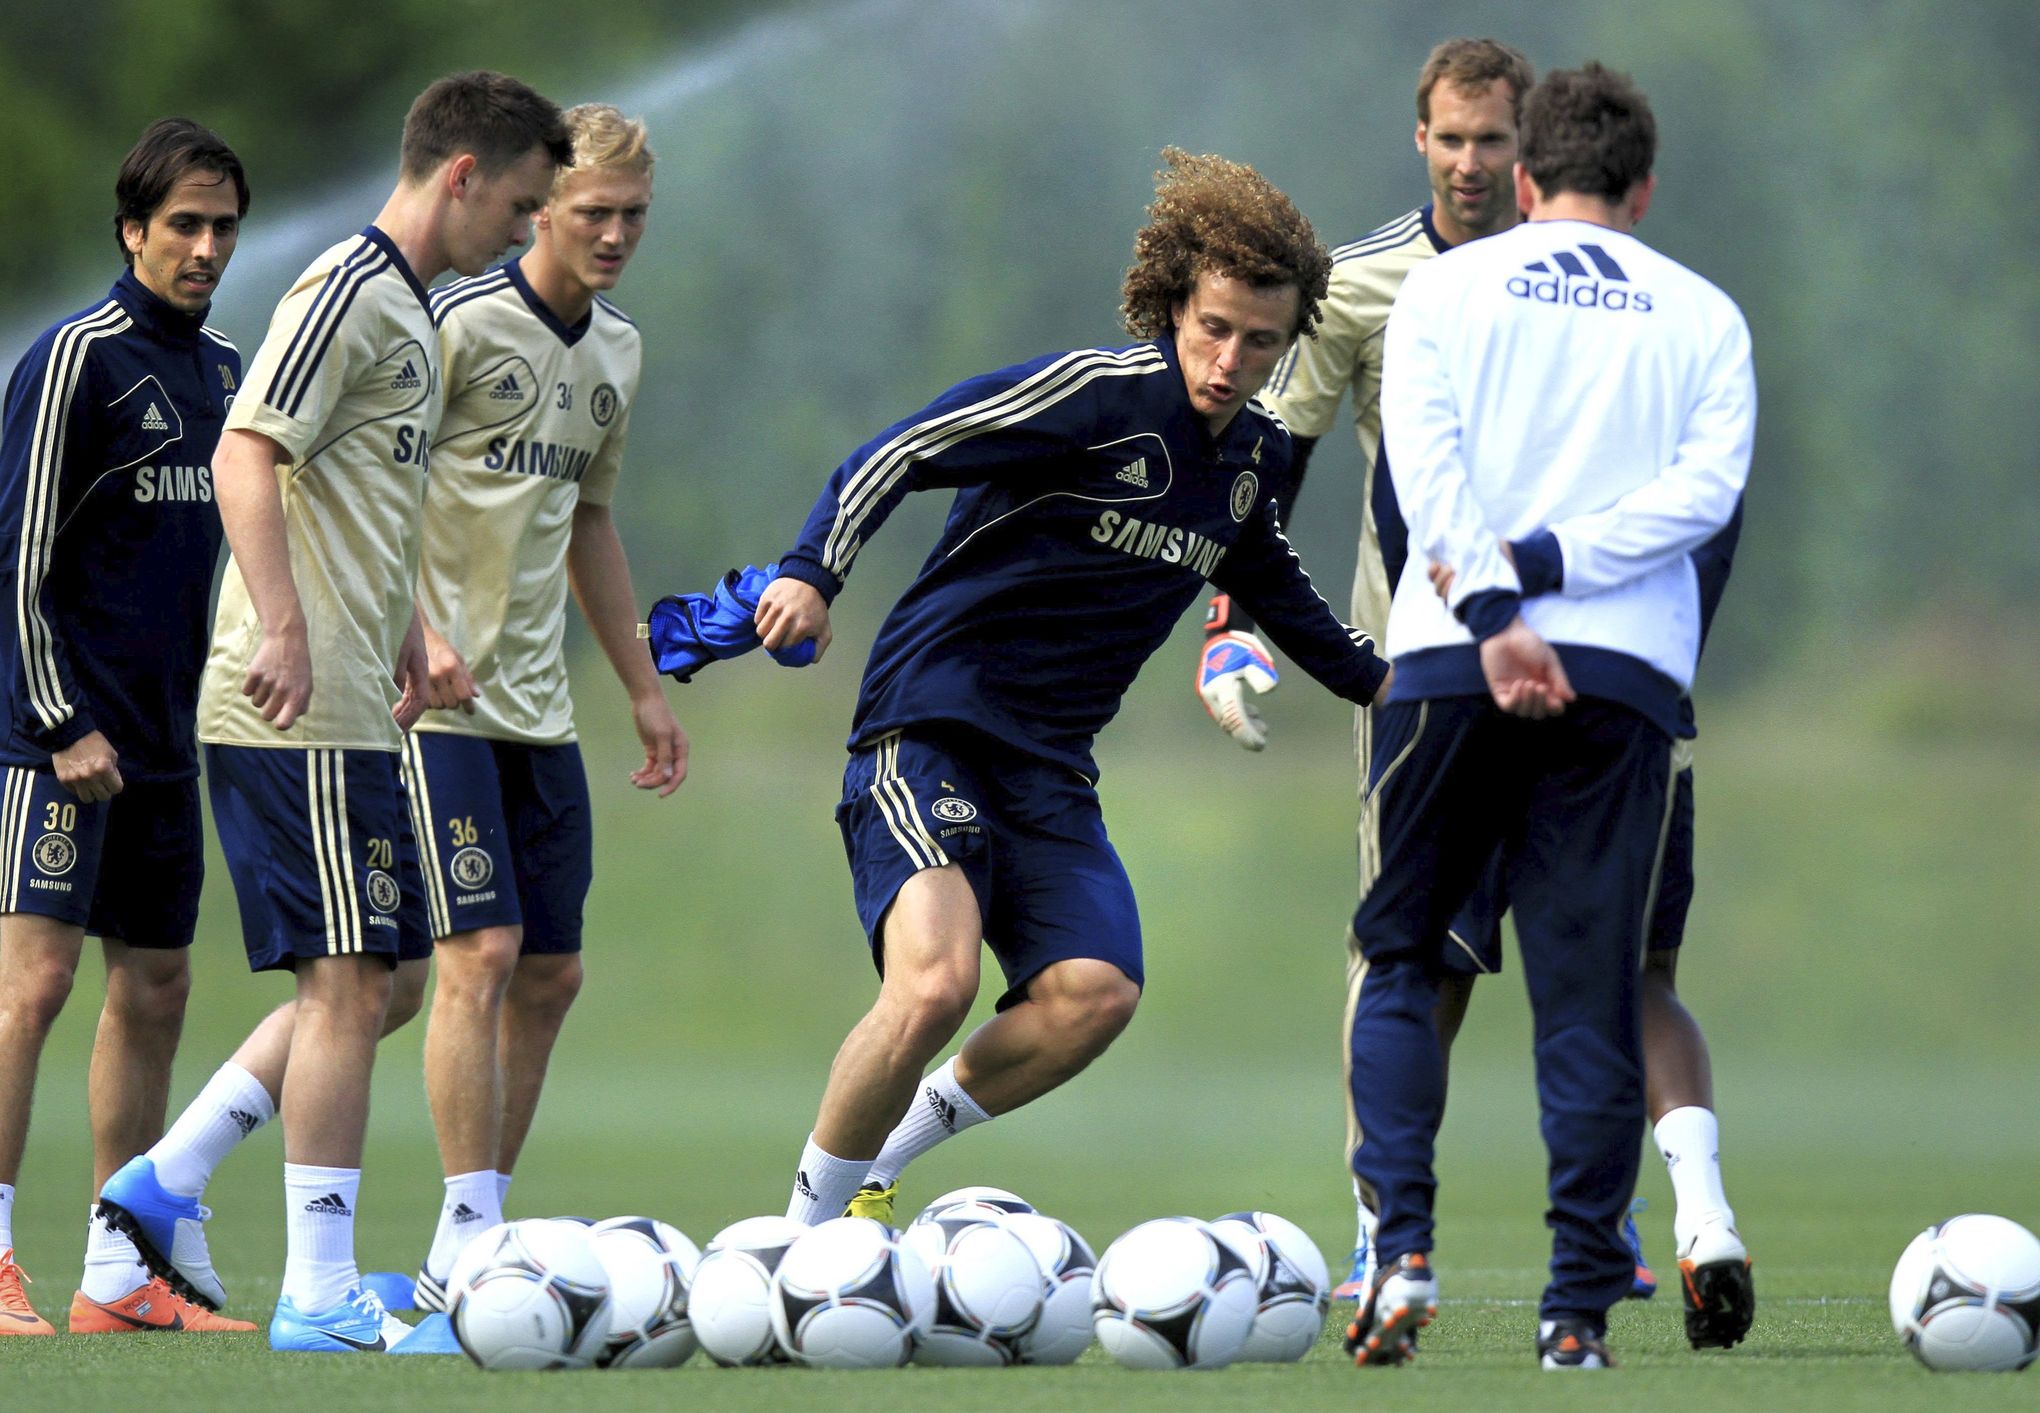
(1859,954)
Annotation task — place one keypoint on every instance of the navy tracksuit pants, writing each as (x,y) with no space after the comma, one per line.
(1577,806)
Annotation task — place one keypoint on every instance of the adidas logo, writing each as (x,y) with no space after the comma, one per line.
(507,390)
(464,1213)
(152,420)
(407,377)
(1563,278)
(244,1121)
(331,1205)
(800,1184)
(944,1110)
(1134,475)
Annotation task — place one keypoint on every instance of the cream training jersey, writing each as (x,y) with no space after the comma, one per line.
(537,413)
(1307,385)
(347,383)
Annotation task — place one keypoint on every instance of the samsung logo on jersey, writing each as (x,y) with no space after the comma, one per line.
(161,483)
(547,459)
(1171,544)
(1580,294)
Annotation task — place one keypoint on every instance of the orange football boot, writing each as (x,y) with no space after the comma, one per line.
(17,1316)
(149,1306)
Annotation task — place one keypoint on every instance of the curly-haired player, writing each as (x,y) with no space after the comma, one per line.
(1096,492)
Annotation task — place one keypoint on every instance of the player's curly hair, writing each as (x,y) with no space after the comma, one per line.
(1224,217)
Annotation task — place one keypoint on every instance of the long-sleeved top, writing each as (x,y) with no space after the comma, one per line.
(1093,503)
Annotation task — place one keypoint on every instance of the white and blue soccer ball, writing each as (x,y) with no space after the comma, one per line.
(988,1290)
(651,1272)
(1966,1295)
(980,1202)
(1173,1294)
(730,1301)
(530,1294)
(849,1295)
(1293,1285)
(1067,1264)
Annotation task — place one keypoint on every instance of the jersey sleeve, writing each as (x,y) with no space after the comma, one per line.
(1686,504)
(977,432)
(1420,420)
(47,431)
(312,352)
(1263,573)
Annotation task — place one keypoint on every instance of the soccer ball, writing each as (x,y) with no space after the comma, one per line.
(1173,1294)
(1966,1295)
(651,1266)
(730,1301)
(985,1202)
(530,1295)
(1294,1285)
(848,1295)
(1064,1329)
(988,1290)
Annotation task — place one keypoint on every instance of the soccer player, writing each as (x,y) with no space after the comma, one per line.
(317,668)
(541,373)
(1096,491)
(1469,100)
(109,534)
(1571,415)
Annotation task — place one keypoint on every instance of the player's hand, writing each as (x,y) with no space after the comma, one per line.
(1441,580)
(89,768)
(665,745)
(279,679)
(413,678)
(448,682)
(789,612)
(1232,665)
(1524,673)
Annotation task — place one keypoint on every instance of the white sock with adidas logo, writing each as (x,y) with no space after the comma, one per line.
(474,1203)
(823,1184)
(232,1105)
(318,1209)
(940,1111)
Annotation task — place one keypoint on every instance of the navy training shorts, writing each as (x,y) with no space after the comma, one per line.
(130,868)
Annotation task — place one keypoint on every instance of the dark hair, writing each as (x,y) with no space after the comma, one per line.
(493,116)
(168,149)
(1589,131)
(1224,217)
(1474,64)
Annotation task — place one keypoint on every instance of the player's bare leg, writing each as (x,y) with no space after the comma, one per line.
(1073,1011)
(38,962)
(931,937)
(129,1083)
(542,991)
(464,1087)
(1677,1071)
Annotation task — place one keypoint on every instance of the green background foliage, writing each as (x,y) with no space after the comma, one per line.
(859,203)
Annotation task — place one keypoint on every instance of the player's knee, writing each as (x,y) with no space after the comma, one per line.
(407,995)
(40,990)
(152,994)
(547,986)
(1091,1002)
(934,1004)
(475,968)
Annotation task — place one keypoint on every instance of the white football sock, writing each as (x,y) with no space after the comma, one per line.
(824,1184)
(473,1204)
(232,1105)
(6,1216)
(1690,1140)
(1365,1220)
(112,1265)
(940,1111)
(318,1209)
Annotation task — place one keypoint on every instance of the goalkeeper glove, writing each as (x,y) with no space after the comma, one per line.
(1231,664)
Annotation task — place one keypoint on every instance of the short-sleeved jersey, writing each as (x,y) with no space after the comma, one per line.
(347,383)
(1093,503)
(536,417)
(1306,387)
(109,532)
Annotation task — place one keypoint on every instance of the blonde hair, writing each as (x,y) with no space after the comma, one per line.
(603,138)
